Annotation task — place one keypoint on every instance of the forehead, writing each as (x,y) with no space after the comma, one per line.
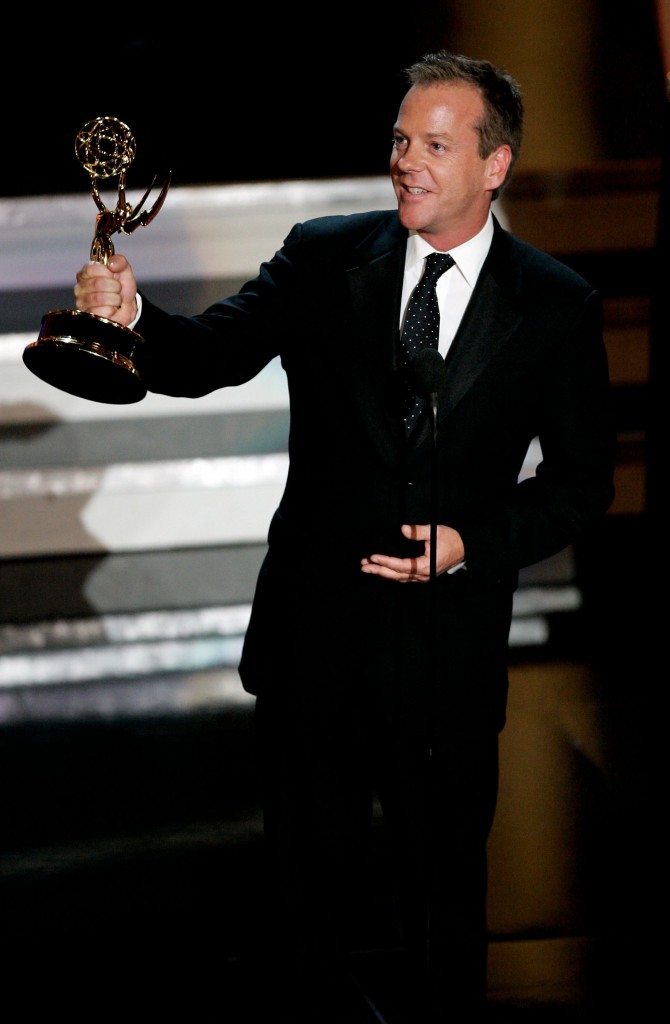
(442,107)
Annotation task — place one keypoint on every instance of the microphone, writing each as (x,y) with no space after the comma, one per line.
(426,373)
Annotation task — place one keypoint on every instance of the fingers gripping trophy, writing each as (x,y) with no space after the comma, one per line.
(87,355)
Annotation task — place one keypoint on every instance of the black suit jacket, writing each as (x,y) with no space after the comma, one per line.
(528,361)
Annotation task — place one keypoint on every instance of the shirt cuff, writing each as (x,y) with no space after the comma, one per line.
(138,300)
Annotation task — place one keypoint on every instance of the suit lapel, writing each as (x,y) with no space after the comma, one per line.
(491,316)
(375,287)
(489,320)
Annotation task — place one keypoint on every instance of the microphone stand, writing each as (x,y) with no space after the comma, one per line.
(428,371)
(432,667)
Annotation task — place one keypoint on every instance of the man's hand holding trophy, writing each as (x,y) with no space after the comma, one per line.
(82,354)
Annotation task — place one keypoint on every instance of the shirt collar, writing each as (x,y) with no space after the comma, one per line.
(468,257)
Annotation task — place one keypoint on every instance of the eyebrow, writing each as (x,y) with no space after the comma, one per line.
(427,135)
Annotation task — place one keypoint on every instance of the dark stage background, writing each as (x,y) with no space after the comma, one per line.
(269,97)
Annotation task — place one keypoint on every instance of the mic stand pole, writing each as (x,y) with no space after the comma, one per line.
(428,372)
(432,674)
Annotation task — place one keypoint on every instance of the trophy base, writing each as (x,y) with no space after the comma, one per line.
(88,356)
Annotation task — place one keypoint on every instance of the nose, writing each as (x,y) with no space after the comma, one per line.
(407,159)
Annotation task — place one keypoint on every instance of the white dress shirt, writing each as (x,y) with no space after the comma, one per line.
(454,288)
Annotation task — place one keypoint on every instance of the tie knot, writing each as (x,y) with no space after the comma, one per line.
(436,264)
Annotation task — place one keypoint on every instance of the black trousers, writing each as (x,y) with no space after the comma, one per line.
(324,760)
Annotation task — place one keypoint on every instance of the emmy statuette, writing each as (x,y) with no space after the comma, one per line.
(80,353)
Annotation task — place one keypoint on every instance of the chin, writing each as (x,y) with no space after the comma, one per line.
(412,214)
(411,220)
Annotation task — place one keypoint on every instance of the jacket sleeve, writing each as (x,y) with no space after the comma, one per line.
(573,484)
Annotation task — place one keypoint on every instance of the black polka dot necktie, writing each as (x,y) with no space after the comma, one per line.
(422,327)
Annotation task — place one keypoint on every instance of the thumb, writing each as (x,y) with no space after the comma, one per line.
(118,264)
(416,531)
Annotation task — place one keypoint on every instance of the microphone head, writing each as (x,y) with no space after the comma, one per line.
(427,372)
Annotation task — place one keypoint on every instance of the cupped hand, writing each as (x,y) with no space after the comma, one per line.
(416,569)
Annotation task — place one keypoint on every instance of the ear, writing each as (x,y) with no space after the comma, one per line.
(497,165)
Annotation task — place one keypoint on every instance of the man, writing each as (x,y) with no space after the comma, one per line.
(379,661)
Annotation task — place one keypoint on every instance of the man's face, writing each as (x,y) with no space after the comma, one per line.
(442,184)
